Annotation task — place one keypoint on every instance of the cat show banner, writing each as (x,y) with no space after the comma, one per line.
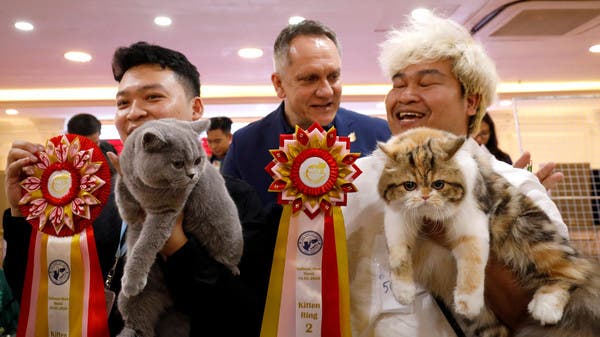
(308,294)
(63,293)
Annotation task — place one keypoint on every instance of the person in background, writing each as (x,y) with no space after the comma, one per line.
(441,78)
(487,136)
(89,126)
(219,137)
(308,79)
(155,82)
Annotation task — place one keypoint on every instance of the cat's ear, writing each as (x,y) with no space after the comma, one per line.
(383,147)
(200,125)
(153,140)
(450,145)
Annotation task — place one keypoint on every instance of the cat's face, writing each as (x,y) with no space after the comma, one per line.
(420,176)
(168,154)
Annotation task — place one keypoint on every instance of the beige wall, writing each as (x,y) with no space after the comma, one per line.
(33,130)
(559,130)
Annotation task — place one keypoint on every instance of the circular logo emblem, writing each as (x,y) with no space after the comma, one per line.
(59,183)
(59,272)
(314,172)
(310,243)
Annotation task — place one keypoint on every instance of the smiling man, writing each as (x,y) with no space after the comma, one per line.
(154,83)
(307,78)
(441,78)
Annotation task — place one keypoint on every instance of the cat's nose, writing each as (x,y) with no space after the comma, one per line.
(425,197)
(191,175)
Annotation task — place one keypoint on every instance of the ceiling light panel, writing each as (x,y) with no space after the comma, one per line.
(78,56)
(293,20)
(250,53)
(162,21)
(24,26)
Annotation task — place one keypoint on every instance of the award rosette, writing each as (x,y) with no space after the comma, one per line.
(308,294)
(63,293)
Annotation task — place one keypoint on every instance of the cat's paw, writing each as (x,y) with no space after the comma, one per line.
(234,270)
(404,292)
(127,332)
(469,305)
(547,307)
(132,286)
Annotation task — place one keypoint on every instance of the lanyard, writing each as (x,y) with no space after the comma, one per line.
(120,252)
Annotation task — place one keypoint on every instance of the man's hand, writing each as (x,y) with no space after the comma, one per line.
(20,159)
(176,240)
(504,296)
(114,160)
(546,174)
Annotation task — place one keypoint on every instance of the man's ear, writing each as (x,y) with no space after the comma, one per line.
(197,108)
(278,85)
(472,104)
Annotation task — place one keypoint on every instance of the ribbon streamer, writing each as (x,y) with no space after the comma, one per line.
(312,171)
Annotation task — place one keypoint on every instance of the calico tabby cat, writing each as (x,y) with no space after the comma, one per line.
(429,180)
(164,172)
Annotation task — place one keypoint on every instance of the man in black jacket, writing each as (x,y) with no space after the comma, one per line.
(154,83)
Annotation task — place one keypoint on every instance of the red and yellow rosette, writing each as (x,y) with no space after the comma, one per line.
(308,295)
(63,293)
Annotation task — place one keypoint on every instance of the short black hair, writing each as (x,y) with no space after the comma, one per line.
(83,124)
(281,48)
(221,123)
(141,53)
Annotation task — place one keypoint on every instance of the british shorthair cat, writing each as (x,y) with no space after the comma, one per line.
(165,172)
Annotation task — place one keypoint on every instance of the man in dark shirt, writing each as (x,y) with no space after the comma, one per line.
(154,83)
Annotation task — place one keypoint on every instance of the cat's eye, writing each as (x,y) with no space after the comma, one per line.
(178,164)
(438,184)
(197,161)
(409,185)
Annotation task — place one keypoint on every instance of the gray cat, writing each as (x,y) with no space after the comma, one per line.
(164,172)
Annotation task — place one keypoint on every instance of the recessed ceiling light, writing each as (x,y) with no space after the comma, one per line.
(420,13)
(295,19)
(595,48)
(250,53)
(162,21)
(11,111)
(23,25)
(78,56)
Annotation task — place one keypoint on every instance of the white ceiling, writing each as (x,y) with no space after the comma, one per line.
(210,32)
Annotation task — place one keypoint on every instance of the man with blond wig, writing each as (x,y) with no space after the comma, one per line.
(442,78)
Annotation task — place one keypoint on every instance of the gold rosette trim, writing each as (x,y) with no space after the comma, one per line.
(313,170)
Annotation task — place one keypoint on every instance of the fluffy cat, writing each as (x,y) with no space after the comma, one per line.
(429,180)
(165,171)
